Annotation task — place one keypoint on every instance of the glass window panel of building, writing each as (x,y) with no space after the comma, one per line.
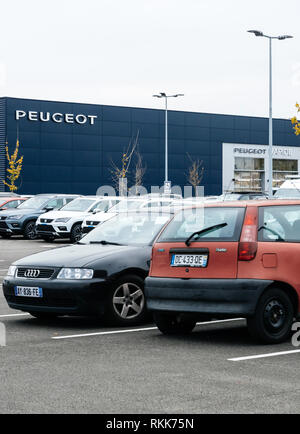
(282,169)
(248,174)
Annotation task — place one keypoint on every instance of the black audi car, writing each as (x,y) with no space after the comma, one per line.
(102,275)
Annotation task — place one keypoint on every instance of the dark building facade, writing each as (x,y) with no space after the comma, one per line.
(68,147)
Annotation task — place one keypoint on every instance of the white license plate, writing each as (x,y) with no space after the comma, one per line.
(189,260)
(28,291)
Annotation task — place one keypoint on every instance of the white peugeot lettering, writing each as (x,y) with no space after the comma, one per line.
(69,118)
(81,119)
(44,118)
(20,114)
(33,116)
(92,118)
(57,117)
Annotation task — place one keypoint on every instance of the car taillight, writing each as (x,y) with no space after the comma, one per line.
(248,241)
(247,251)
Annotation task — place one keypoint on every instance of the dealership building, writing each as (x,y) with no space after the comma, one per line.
(70,147)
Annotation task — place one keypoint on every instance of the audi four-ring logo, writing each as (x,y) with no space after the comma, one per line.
(32,273)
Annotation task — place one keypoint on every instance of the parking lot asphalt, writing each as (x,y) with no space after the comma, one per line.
(78,365)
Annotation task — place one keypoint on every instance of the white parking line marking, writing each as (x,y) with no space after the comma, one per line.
(261,356)
(137,330)
(15,314)
(220,321)
(114,332)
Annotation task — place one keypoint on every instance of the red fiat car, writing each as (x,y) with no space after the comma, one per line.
(229,259)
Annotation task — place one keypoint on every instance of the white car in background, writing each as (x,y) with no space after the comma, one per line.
(66,222)
(139,203)
(289,189)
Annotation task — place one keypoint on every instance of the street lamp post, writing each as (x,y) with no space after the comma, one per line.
(164,95)
(261,34)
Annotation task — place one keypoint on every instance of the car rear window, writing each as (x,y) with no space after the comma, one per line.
(279,223)
(186,222)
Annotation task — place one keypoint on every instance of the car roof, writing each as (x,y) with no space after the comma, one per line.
(160,211)
(12,198)
(245,203)
(57,195)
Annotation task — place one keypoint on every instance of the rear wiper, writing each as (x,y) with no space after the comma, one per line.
(272,232)
(105,243)
(204,231)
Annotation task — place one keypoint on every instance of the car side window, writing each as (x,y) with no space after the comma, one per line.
(55,203)
(11,204)
(279,223)
(152,205)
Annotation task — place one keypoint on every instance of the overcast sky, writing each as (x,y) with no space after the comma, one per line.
(121,52)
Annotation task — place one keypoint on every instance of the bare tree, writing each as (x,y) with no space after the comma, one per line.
(195,173)
(140,171)
(120,171)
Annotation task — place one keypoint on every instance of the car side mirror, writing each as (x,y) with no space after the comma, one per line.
(48,208)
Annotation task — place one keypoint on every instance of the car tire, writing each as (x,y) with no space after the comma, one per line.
(125,303)
(173,323)
(43,315)
(76,233)
(30,231)
(6,236)
(48,239)
(273,319)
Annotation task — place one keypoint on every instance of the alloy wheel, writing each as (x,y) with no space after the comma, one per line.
(128,301)
(31,231)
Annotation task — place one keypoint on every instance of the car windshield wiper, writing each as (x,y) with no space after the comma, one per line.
(204,231)
(105,243)
(272,232)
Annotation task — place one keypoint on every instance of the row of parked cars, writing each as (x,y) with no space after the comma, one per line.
(50,216)
(166,258)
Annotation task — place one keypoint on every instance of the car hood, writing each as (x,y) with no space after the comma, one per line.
(77,255)
(63,214)
(100,217)
(16,211)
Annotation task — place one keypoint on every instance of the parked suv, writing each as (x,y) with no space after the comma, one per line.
(21,220)
(230,259)
(289,189)
(66,222)
(125,205)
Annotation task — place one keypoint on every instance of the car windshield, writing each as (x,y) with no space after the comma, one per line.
(126,205)
(80,204)
(287,193)
(104,205)
(132,229)
(231,196)
(37,202)
(227,224)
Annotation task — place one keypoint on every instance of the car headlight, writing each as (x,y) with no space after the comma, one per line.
(75,273)
(14,217)
(12,270)
(63,220)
